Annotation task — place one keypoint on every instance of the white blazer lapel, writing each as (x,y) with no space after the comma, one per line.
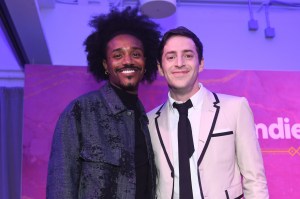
(209,117)
(161,123)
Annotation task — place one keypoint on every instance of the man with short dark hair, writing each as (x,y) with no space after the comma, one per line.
(204,143)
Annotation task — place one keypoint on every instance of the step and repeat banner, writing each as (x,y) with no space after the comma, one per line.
(274,97)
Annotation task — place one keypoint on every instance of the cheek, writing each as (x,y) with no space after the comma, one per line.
(140,62)
(113,65)
(167,66)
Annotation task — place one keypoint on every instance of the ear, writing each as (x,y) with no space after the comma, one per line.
(104,64)
(201,66)
(160,70)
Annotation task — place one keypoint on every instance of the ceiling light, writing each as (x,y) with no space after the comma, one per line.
(158,8)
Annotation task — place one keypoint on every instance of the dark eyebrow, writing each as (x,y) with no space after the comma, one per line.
(170,52)
(186,51)
(138,48)
(133,48)
(173,51)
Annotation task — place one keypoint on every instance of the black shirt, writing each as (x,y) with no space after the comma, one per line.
(141,156)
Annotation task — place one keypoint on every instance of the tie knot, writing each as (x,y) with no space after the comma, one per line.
(184,107)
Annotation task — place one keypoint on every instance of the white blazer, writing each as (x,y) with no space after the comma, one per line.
(230,164)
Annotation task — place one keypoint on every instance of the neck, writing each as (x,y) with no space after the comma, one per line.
(183,94)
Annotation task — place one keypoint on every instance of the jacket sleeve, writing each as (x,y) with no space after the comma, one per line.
(64,163)
(249,155)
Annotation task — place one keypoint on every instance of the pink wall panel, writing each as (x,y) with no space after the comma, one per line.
(273,96)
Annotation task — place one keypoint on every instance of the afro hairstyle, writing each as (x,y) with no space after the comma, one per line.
(128,21)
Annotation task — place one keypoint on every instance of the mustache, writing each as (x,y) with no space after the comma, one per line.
(129,66)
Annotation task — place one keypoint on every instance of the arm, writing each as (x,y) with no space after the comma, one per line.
(64,166)
(249,155)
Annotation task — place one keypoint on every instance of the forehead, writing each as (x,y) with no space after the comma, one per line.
(124,41)
(179,43)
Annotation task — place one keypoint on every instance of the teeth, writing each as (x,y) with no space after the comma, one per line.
(128,71)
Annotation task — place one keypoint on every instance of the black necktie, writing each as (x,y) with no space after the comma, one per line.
(185,150)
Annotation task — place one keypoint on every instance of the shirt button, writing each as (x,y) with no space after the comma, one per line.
(129,113)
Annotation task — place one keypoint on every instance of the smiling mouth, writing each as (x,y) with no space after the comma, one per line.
(180,72)
(128,70)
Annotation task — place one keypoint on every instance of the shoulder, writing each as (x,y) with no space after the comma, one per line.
(233,104)
(220,97)
(225,98)
(82,102)
(87,97)
(95,95)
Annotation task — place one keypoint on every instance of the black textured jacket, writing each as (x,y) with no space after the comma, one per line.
(92,153)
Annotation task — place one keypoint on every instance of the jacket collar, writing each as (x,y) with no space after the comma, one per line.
(114,102)
(209,113)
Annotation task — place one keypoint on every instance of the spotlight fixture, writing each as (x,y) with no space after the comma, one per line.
(158,8)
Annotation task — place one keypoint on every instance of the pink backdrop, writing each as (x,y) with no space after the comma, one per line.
(273,96)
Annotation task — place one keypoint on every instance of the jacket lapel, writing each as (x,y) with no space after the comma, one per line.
(208,120)
(161,125)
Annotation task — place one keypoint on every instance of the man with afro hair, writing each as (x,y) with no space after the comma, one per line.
(101,146)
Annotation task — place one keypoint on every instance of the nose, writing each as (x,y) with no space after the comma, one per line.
(127,60)
(180,61)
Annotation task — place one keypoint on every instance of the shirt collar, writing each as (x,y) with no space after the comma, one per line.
(197,98)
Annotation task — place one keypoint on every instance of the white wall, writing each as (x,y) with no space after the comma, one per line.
(228,44)
(66,28)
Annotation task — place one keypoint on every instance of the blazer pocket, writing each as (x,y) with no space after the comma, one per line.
(224,133)
(234,192)
(98,154)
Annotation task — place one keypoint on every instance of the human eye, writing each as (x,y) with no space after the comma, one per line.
(117,55)
(189,55)
(170,57)
(137,54)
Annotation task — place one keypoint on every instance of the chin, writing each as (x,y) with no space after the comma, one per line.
(130,86)
(179,86)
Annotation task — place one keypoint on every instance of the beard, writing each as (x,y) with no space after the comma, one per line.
(130,86)
(126,81)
